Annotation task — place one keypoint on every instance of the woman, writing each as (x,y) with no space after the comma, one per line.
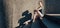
(38,12)
(36,22)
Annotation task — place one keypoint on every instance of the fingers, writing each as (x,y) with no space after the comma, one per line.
(27,22)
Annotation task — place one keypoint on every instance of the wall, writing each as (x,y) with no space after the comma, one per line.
(15,8)
(52,6)
(2,15)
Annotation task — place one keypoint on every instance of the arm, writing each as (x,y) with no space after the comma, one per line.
(37,14)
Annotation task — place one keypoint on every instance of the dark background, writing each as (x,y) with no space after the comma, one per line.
(2,15)
(52,6)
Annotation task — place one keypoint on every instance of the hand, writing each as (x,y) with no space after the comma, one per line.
(27,22)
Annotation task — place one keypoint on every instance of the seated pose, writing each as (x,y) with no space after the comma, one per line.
(37,13)
(38,16)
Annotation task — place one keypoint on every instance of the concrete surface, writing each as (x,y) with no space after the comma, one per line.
(15,8)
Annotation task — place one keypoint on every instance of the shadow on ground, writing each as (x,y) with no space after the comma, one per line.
(47,22)
(52,21)
(27,16)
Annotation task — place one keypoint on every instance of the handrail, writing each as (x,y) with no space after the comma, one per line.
(53,14)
